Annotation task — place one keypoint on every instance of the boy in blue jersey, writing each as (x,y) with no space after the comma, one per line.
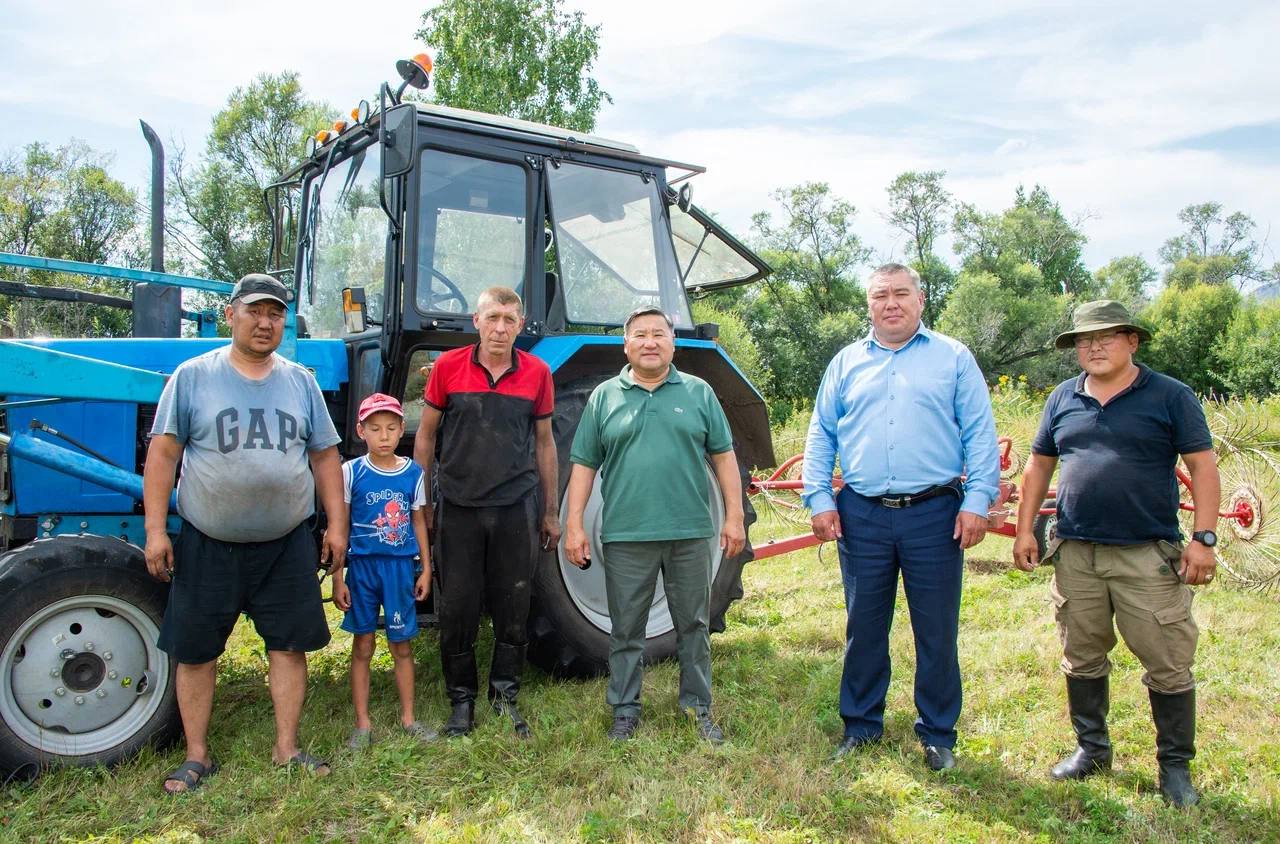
(385,494)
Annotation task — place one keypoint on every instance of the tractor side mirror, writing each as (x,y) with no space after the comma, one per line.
(397,133)
(685,199)
(354,318)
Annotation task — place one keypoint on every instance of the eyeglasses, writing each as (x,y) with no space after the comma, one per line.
(1103,338)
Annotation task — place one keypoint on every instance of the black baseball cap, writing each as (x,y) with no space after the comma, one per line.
(257,287)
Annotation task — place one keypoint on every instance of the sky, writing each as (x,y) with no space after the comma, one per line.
(1125,111)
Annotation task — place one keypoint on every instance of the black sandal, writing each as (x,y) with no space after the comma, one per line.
(190,773)
(306,762)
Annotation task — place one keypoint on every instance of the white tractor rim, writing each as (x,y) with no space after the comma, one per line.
(82,675)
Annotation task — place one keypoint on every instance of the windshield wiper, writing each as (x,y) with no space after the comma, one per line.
(313,213)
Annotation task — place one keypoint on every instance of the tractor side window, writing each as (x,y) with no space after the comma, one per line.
(614,246)
(710,258)
(346,238)
(471,232)
(415,386)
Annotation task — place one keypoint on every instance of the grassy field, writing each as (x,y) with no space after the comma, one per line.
(776,673)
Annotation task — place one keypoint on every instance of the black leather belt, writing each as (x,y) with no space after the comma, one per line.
(897,502)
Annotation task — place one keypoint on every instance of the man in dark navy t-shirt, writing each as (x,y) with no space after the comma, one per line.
(490,404)
(1118,429)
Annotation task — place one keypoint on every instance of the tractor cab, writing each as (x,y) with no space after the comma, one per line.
(398,221)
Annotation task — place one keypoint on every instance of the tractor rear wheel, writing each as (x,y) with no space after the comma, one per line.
(569,617)
(81,679)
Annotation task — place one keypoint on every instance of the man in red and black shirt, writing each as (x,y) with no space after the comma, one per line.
(491,403)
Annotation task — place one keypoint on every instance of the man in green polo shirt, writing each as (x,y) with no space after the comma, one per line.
(649,432)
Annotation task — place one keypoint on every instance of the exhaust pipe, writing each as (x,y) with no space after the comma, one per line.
(157,309)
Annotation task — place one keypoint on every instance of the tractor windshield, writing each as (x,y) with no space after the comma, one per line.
(472,233)
(614,245)
(344,242)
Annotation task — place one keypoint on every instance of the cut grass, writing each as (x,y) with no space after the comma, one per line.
(776,673)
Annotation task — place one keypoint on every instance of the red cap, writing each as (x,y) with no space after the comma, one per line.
(377,402)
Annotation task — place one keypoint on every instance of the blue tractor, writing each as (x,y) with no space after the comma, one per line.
(387,232)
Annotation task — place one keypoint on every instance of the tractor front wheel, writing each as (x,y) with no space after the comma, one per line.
(81,679)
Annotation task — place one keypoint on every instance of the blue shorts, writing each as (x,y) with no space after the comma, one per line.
(385,582)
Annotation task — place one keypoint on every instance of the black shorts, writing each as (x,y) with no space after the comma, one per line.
(274,582)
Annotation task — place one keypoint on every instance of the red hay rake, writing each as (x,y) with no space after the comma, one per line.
(1249,546)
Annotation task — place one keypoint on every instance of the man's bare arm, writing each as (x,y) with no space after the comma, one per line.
(1035,486)
(326,466)
(163,456)
(734,534)
(1199,561)
(549,473)
(548,466)
(424,452)
(576,545)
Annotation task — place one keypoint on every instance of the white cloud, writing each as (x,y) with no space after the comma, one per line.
(1175,84)
(837,98)
(1080,98)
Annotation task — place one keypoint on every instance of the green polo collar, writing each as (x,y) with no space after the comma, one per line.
(673,377)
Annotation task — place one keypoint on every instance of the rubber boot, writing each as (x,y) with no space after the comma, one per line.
(504,685)
(460,720)
(1089,702)
(1175,717)
(460,684)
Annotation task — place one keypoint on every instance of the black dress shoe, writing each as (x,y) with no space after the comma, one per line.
(939,758)
(850,743)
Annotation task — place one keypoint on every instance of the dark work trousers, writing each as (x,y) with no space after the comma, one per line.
(486,558)
(879,542)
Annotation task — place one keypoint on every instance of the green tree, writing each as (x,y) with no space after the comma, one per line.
(1125,279)
(1213,249)
(1248,353)
(256,138)
(1034,231)
(815,250)
(520,58)
(60,203)
(28,191)
(736,339)
(918,207)
(812,305)
(1186,325)
(1009,327)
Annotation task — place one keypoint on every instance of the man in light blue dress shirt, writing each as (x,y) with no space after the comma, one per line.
(907,412)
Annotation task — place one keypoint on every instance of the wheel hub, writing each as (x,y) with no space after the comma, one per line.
(1245,505)
(83,672)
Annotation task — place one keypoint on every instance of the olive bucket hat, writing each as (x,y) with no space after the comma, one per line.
(1099,316)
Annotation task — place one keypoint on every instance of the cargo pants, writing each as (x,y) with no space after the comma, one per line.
(1138,586)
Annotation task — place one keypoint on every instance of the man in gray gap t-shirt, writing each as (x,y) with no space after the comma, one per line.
(256,444)
(245,472)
